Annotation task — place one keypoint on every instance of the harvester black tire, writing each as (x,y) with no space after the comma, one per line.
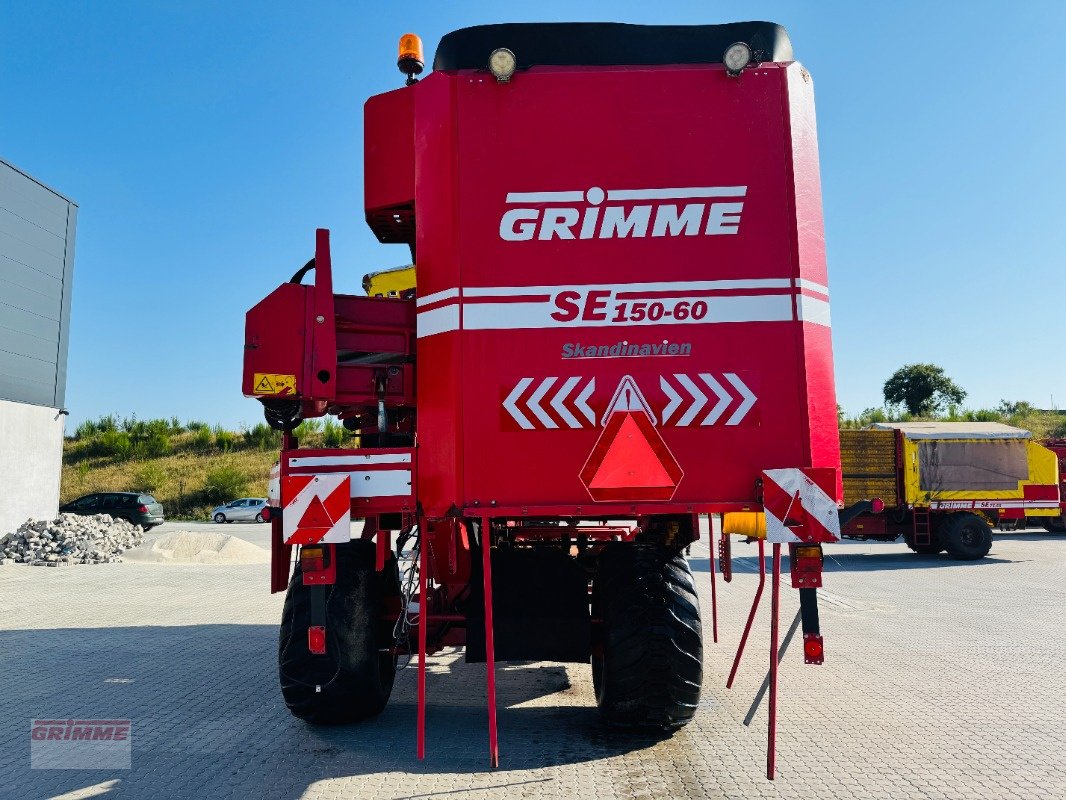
(1056,526)
(355,675)
(967,537)
(647,662)
(935,546)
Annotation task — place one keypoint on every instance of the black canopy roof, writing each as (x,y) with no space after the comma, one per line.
(609,43)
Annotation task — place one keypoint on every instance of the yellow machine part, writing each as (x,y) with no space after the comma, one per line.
(745,523)
(395,282)
(1043,471)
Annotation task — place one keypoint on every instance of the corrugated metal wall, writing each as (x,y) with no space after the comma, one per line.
(36,271)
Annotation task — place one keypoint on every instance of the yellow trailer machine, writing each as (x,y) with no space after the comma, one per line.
(945,483)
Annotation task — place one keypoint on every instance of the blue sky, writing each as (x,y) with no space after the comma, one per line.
(204,142)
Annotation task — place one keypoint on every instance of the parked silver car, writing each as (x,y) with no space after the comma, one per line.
(247,509)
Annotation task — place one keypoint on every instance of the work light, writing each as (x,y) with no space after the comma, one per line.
(502,64)
(737,56)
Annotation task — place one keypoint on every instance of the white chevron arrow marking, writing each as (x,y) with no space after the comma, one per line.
(746,393)
(534,403)
(698,397)
(724,398)
(675,399)
(582,402)
(557,403)
(511,404)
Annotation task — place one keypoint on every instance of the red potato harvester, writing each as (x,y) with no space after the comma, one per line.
(621,322)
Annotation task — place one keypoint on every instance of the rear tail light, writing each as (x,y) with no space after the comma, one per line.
(142,508)
(813,651)
(313,559)
(316,639)
(806,565)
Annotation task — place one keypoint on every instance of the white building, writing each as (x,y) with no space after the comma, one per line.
(36,274)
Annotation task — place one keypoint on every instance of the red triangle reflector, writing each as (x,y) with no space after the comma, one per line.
(631,461)
(315,516)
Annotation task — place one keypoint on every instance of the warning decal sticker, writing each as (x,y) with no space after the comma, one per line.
(270,383)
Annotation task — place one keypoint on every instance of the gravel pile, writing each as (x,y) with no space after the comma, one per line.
(70,539)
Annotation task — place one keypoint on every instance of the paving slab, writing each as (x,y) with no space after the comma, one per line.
(942,679)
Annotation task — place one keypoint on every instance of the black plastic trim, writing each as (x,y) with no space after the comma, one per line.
(609,44)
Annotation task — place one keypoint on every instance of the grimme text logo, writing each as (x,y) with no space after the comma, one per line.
(623,213)
(80,743)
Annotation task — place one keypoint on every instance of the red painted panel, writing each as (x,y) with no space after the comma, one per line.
(388,154)
(439,366)
(1033,492)
(713,181)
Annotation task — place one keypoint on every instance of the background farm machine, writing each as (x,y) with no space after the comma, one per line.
(1057,524)
(946,483)
(621,323)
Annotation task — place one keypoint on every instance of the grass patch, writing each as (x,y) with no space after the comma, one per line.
(189,468)
(188,482)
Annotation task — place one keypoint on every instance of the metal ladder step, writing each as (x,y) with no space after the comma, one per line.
(922,526)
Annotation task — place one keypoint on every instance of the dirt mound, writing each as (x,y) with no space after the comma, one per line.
(188,547)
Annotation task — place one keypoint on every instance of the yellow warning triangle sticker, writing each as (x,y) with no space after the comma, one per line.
(265,386)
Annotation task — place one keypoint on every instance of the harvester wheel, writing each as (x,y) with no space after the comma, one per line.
(353,679)
(967,537)
(647,662)
(1056,525)
(935,546)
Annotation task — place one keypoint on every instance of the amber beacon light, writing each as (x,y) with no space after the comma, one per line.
(411,61)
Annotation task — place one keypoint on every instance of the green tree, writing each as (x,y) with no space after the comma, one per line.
(923,389)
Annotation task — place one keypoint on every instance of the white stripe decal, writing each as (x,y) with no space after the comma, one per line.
(512,316)
(350,461)
(526,314)
(677,194)
(992,504)
(438,320)
(803,283)
(545,197)
(661,286)
(813,310)
(381,483)
(447,294)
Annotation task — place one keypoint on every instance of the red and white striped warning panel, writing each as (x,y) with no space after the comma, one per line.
(798,509)
(690,400)
(317,508)
(702,399)
(569,400)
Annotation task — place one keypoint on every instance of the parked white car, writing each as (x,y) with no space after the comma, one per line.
(247,509)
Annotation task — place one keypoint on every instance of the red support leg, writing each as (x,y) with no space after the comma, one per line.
(490,650)
(775,605)
(423,616)
(714,590)
(384,544)
(751,614)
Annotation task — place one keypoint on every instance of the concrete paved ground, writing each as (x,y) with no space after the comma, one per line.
(943,680)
